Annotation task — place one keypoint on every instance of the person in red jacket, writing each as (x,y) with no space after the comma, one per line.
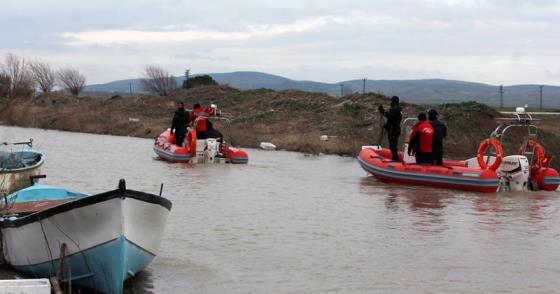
(199,118)
(420,140)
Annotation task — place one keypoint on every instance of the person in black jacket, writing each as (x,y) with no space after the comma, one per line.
(440,132)
(179,124)
(393,125)
(213,133)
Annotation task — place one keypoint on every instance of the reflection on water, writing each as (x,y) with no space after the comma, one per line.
(142,283)
(289,223)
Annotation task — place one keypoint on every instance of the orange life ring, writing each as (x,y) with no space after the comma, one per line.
(482,149)
(539,150)
(191,141)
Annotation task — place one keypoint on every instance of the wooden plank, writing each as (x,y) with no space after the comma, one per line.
(34,206)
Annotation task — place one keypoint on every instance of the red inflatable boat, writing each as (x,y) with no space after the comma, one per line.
(454,176)
(197,151)
(528,170)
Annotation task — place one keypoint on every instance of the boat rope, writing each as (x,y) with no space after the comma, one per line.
(75,244)
(48,246)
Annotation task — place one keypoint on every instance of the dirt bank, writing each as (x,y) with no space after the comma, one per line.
(293,120)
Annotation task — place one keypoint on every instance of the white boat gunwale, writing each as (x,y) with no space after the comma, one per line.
(25,168)
(85,201)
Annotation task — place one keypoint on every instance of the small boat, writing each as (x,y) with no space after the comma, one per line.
(96,241)
(17,166)
(377,161)
(528,170)
(197,151)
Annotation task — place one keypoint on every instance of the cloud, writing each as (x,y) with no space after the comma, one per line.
(110,37)
(496,41)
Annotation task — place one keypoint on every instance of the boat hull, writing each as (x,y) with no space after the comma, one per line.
(170,156)
(12,180)
(102,240)
(451,177)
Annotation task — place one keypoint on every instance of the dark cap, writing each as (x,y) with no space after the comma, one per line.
(422,116)
(395,100)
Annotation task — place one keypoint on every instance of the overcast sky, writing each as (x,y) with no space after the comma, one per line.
(490,41)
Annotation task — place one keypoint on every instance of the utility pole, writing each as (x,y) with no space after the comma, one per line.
(501,91)
(187,72)
(363,86)
(130,88)
(341,90)
(540,94)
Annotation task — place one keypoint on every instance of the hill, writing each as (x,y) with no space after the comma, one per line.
(292,120)
(425,91)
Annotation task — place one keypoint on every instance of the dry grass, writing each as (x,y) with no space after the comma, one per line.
(292,120)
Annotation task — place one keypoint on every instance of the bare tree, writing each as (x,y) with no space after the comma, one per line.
(5,84)
(72,80)
(20,77)
(43,75)
(158,81)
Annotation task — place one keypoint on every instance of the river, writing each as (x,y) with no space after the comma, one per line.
(292,223)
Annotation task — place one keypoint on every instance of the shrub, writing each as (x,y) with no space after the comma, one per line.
(354,109)
(204,80)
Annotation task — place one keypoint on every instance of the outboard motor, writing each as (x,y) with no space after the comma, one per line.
(211,150)
(514,173)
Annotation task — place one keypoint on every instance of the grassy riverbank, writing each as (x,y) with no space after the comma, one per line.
(293,120)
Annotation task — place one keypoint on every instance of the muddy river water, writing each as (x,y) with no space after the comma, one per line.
(291,223)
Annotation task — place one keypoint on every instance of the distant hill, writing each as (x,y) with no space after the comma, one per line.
(425,91)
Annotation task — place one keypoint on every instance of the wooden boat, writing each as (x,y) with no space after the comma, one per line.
(95,241)
(17,166)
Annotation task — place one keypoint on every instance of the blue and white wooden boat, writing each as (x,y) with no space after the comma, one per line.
(17,166)
(100,240)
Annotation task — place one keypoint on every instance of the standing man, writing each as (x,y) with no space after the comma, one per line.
(440,132)
(393,125)
(179,124)
(421,139)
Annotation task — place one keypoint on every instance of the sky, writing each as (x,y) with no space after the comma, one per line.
(490,41)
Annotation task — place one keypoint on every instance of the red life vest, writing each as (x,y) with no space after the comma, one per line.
(201,124)
(426,132)
(199,119)
(195,113)
(210,110)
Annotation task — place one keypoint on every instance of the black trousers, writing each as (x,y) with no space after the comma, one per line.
(180,136)
(438,154)
(424,158)
(394,144)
